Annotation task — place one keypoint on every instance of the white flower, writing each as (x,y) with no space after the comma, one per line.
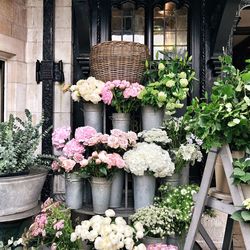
(73,237)
(138,226)
(182,75)
(140,247)
(128,231)
(98,243)
(10,241)
(120,221)
(92,235)
(155,135)
(110,213)
(149,157)
(184,83)
(75,96)
(139,234)
(129,243)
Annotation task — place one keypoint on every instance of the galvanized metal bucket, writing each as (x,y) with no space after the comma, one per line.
(152,240)
(144,190)
(121,121)
(152,118)
(93,115)
(101,190)
(174,180)
(74,190)
(117,189)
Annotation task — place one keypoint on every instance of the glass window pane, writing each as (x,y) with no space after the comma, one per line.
(139,24)
(116,38)
(158,39)
(181,23)
(181,50)
(116,23)
(170,23)
(159,24)
(181,38)
(128,38)
(139,38)
(170,38)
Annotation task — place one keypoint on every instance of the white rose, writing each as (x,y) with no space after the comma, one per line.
(128,232)
(120,245)
(92,235)
(110,213)
(98,243)
(107,221)
(120,221)
(73,88)
(183,75)
(141,247)
(184,82)
(139,234)
(138,226)
(85,224)
(75,96)
(129,243)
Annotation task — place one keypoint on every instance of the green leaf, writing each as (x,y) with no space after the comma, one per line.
(231,124)
(247,100)
(245,215)
(237,216)
(238,172)
(103,170)
(246,178)
(246,76)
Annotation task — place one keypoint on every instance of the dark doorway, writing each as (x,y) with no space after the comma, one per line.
(241,39)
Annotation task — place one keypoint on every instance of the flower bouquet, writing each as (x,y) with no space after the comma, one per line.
(89,91)
(158,222)
(107,232)
(51,228)
(147,161)
(123,96)
(168,82)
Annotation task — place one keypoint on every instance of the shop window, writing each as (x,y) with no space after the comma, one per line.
(170,29)
(128,23)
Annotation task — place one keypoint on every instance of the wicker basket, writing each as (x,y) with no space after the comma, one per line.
(117,60)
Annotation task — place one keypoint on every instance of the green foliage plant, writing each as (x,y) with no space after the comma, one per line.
(19,140)
(168,82)
(225,118)
(241,172)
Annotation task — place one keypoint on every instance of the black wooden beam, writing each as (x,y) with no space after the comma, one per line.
(226,25)
(48,87)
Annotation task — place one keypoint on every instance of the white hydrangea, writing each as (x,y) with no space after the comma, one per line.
(149,157)
(155,135)
(103,233)
(190,153)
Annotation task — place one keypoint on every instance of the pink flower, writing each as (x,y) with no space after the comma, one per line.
(60,136)
(55,166)
(115,160)
(103,156)
(53,246)
(84,134)
(78,157)
(84,163)
(104,139)
(46,204)
(132,137)
(73,147)
(160,246)
(107,96)
(117,132)
(123,143)
(116,83)
(68,165)
(113,141)
(96,139)
(59,225)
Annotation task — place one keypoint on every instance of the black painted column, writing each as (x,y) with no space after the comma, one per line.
(48,60)
(149,27)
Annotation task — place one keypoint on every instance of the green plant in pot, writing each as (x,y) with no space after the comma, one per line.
(22,172)
(225,117)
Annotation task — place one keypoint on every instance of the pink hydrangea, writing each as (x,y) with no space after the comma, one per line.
(55,166)
(78,157)
(113,141)
(60,136)
(84,134)
(107,95)
(73,147)
(132,137)
(95,139)
(160,246)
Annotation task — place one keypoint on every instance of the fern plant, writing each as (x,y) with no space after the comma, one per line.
(19,140)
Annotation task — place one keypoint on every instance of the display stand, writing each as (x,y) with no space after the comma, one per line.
(203,199)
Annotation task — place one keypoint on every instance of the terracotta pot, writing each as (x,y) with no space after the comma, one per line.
(220,176)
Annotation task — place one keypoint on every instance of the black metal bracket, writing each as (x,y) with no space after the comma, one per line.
(49,70)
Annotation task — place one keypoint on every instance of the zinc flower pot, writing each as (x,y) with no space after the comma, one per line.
(21,193)
(144,190)
(174,180)
(117,189)
(151,117)
(73,190)
(121,121)
(177,241)
(220,176)
(93,115)
(101,191)
(147,240)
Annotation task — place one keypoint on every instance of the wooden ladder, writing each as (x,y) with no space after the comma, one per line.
(202,200)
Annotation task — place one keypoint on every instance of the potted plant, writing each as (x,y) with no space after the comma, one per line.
(241,175)
(70,162)
(109,232)
(180,199)
(157,222)
(147,161)
(89,91)
(184,149)
(22,172)
(225,117)
(51,229)
(167,85)
(123,96)
(243,215)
